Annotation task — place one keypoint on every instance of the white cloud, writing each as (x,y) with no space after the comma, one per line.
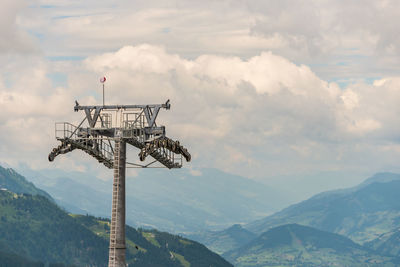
(359,38)
(237,114)
(263,114)
(239,100)
(13,39)
(344,39)
(350,99)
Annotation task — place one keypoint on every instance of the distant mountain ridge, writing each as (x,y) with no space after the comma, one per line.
(179,201)
(361,213)
(225,240)
(368,213)
(381,177)
(297,245)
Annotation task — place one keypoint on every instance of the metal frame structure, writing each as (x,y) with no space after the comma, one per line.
(108,129)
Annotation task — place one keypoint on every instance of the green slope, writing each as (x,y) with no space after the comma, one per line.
(362,213)
(36,228)
(13,181)
(296,245)
(154,248)
(222,241)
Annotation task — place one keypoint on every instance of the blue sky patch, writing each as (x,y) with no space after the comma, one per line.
(47,6)
(342,63)
(58,79)
(65,58)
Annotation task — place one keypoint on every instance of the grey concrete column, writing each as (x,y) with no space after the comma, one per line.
(117,229)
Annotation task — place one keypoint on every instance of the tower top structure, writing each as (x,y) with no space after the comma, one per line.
(103,133)
(135,124)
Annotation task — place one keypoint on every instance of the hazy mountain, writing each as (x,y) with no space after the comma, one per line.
(361,213)
(76,197)
(36,228)
(382,177)
(302,186)
(13,181)
(172,200)
(222,241)
(296,245)
(387,243)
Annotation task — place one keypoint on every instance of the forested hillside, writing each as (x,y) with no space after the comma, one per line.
(36,228)
(14,260)
(155,248)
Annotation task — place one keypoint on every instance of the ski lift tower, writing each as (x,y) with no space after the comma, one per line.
(104,133)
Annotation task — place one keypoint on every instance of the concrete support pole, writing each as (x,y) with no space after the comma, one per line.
(117,230)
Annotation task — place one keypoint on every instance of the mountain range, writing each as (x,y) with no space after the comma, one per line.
(225,240)
(364,219)
(34,231)
(297,245)
(357,226)
(361,213)
(178,201)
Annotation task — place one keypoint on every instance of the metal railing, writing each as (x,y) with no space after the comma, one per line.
(65,130)
(133,120)
(105,120)
(98,146)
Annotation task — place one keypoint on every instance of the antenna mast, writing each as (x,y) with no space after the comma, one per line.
(103,80)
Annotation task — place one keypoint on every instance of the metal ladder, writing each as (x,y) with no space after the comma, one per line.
(114,217)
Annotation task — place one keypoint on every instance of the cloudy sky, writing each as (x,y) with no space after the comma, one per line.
(258,88)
